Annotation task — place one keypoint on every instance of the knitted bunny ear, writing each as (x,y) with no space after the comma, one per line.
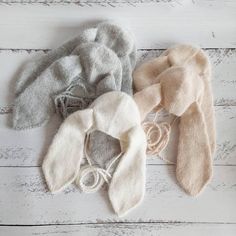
(33,69)
(197,60)
(34,106)
(122,42)
(147,99)
(116,38)
(127,187)
(147,73)
(196,141)
(101,66)
(194,161)
(61,164)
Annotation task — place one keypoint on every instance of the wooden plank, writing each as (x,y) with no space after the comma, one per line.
(128,229)
(27,148)
(208,24)
(122,3)
(223,63)
(25,200)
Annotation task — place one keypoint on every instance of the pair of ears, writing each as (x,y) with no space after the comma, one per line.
(184,93)
(61,165)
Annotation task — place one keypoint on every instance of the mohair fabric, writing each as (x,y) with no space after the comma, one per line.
(69,78)
(179,81)
(100,59)
(111,114)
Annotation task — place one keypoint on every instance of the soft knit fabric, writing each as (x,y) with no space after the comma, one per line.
(99,60)
(179,81)
(111,114)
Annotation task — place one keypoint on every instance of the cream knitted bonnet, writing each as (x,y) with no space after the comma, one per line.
(179,81)
(111,114)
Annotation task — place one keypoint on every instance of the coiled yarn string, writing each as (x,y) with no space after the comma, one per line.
(158,135)
(67,103)
(100,175)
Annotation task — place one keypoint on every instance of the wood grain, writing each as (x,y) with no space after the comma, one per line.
(207,24)
(27,148)
(30,28)
(223,67)
(121,229)
(25,200)
(122,3)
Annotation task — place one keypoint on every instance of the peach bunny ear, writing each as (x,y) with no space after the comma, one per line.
(127,187)
(147,99)
(194,162)
(183,91)
(147,73)
(62,162)
(198,61)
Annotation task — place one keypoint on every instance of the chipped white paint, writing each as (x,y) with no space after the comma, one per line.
(223,66)
(25,200)
(127,229)
(155,26)
(27,148)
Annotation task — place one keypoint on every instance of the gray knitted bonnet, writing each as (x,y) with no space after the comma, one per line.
(69,78)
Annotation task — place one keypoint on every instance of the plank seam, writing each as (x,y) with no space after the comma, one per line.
(139,49)
(120,222)
(151,164)
(89,3)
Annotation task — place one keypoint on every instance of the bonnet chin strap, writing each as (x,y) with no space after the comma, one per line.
(100,175)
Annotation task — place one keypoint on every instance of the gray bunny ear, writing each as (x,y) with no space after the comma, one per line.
(34,106)
(116,38)
(101,66)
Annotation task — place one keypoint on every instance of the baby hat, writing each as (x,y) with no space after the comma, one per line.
(116,114)
(100,59)
(179,81)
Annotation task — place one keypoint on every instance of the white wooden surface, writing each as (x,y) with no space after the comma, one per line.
(30,28)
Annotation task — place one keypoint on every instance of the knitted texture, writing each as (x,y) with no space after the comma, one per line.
(110,113)
(97,61)
(179,81)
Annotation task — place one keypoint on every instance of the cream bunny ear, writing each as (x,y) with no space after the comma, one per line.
(127,186)
(194,161)
(61,164)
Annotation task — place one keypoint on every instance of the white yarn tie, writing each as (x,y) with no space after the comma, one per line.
(100,175)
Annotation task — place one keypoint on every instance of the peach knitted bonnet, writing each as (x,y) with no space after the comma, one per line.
(179,81)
